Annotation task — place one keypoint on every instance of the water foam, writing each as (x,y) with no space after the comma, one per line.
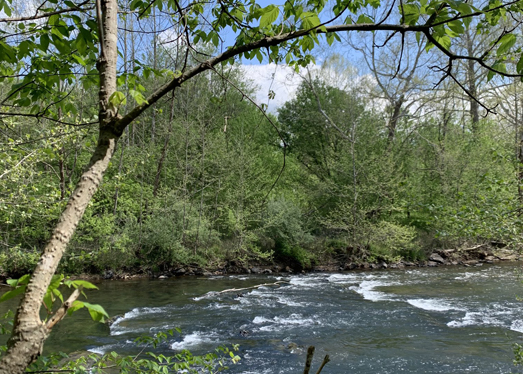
(278,323)
(437,305)
(366,289)
(517,325)
(344,278)
(191,340)
(476,319)
(117,328)
(305,282)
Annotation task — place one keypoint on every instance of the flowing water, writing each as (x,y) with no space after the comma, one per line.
(420,320)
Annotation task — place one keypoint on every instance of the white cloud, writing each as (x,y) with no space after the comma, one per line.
(281,79)
(284,81)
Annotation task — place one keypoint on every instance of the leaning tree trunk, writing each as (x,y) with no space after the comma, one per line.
(29,331)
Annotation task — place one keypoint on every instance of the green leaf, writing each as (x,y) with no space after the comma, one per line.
(78,59)
(215,39)
(519,66)
(310,20)
(464,8)
(259,56)
(81,43)
(411,13)
(7,9)
(456,26)
(55,282)
(270,14)
(505,43)
(7,53)
(48,301)
(44,42)
(330,38)
(84,284)
(97,312)
(364,19)
(10,294)
(138,97)
(58,294)
(117,99)
(76,306)
(443,40)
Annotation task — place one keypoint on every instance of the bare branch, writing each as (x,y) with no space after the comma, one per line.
(49,14)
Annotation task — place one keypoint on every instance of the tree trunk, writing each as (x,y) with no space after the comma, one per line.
(519,152)
(396,114)
(472,85)
(29,331)
(164,151)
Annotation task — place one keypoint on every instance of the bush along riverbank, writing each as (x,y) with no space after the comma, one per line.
(335,261)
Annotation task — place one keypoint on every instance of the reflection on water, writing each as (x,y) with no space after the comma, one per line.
(442,320)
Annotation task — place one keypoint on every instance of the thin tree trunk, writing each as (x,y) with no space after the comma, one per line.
(117,189)
(472,86)
(61,156)
(519,146)
(202,167)
(29,331)
(164,151)
(155,59)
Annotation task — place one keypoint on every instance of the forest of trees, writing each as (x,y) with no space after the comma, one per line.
(207,177)
(419,149)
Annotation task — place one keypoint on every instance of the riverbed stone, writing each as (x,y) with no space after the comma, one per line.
(470,262)
(435,257)
(108,274)
(432,263)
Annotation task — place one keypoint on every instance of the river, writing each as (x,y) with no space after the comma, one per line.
(417,320)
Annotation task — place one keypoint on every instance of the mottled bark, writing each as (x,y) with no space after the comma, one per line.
(29,331)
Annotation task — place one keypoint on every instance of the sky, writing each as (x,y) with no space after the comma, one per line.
(281,79)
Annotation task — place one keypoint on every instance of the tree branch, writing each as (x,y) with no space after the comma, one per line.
(60,313)
(45,15)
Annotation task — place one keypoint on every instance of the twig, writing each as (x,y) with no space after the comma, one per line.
(310,353)
(326,359)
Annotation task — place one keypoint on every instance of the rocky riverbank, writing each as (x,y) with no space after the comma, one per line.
(465,256)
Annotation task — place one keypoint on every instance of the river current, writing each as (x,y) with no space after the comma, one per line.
(417,320)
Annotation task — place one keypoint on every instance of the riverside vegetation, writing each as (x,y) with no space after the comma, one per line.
(218,181)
